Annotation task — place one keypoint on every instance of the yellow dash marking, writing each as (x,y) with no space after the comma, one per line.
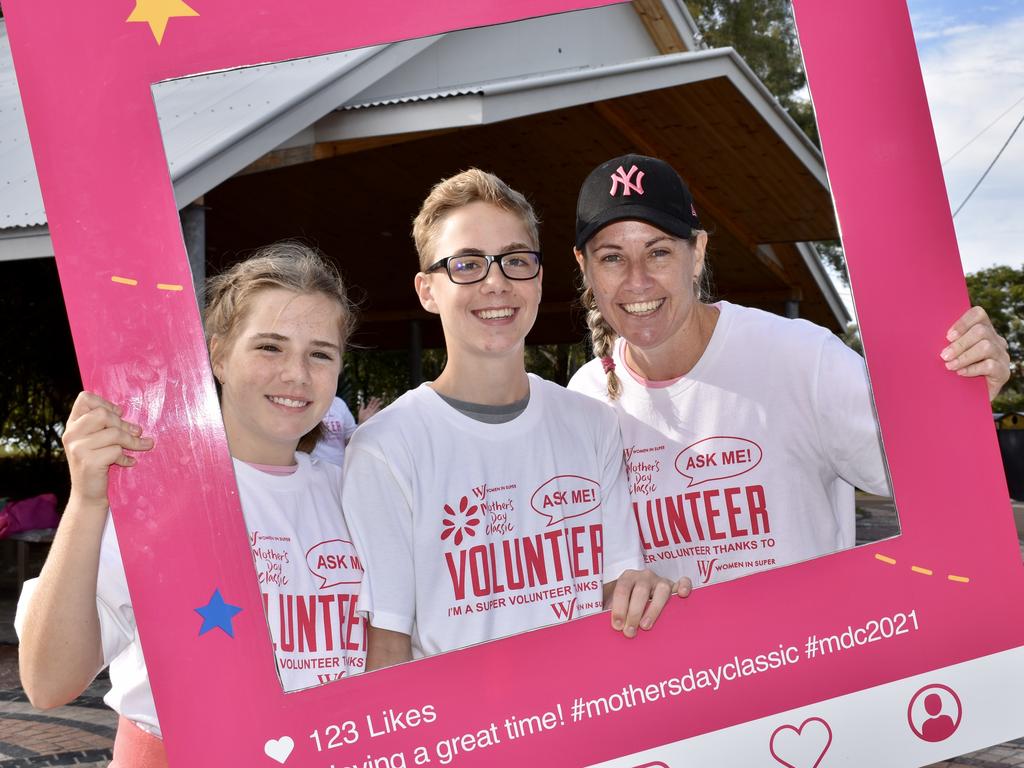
(168,287)
(123,280)
(924,571)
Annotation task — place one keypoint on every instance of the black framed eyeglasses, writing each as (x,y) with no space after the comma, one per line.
(473,267)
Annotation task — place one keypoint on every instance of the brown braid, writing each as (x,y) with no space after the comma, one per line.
(602,337)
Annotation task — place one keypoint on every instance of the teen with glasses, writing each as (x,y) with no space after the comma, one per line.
(489,501)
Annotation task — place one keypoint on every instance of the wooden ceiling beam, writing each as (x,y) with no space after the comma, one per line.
(324,150)
(659,26)
(614,117)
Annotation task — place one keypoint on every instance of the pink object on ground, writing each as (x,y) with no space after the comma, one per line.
(29,514)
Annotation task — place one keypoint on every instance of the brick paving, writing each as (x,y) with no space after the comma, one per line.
(82,733)
(78,734)
(1000,756)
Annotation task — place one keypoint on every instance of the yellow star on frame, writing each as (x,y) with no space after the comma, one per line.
(157,12)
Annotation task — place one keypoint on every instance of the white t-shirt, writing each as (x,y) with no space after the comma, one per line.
(471,531)
(750,460)
(309,576)
(339,424)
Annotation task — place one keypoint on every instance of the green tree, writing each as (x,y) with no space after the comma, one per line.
(831,254)
(763,33)
(556,362)
(385,373)
(38,378)
(851,338)
(373,373)
(1000,290)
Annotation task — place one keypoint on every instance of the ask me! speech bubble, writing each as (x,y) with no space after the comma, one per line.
(717,458)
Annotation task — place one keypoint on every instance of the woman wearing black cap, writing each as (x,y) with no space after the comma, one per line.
(745,433)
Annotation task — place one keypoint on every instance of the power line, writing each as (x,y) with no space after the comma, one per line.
(994,161)
(983,130)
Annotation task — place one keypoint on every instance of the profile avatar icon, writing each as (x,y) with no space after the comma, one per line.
(938,727)
(934,713)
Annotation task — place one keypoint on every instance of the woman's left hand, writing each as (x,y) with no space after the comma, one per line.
(638,597)
(975,349)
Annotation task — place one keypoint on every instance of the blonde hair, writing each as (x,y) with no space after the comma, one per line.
(290,265)
(602,335)
(457,191)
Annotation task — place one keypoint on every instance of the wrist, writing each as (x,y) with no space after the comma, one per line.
(82,505)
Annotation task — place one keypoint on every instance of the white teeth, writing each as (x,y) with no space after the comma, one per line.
(643,307)
(495,314)
(287,402)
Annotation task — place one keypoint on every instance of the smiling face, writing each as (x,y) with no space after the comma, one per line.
(279,372)
(643,281)
(492,317)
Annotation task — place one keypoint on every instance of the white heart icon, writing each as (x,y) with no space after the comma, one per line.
(801,747)
(279,749)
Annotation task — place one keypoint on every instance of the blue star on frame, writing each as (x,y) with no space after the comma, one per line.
(217,614)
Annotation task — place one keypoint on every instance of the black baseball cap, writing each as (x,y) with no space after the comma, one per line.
(635,187)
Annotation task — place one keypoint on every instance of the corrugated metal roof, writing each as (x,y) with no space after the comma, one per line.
(215,124)
(580,84)
(21,203)
(443,94)
(212,123)
(467,59)
(202,115)
(202,118)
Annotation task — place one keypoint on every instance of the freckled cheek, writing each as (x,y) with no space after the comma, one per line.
(605,300)
(328,377)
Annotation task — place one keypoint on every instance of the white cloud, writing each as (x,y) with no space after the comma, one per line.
(936,29)
(972,75)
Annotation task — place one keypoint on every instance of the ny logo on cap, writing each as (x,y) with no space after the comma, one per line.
(626,180)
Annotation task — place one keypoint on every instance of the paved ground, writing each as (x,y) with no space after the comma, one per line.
(81,733)
(999,756)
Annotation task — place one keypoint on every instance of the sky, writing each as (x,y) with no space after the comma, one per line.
(972,58)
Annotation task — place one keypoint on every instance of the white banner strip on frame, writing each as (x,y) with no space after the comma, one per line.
(911,722)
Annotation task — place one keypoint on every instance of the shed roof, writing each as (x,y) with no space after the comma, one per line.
(555,91)
(760,185)
(21,203)
(212,124)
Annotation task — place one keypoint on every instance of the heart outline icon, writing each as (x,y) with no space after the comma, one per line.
(279,749)
(799,733)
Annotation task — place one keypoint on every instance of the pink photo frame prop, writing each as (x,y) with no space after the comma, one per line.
(85,72)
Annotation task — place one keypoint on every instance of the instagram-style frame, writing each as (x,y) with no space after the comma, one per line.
(85,71)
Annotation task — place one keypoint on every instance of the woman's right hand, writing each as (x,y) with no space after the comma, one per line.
(96,437)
